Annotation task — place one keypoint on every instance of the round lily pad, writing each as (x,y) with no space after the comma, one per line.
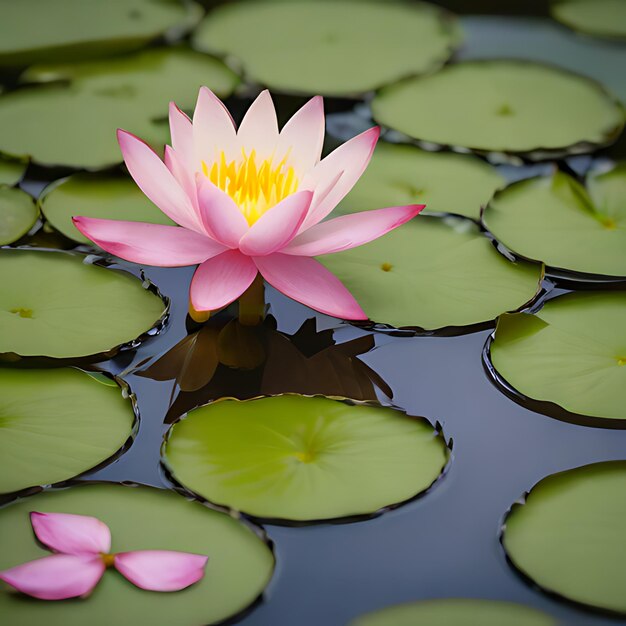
(141,518)
(130,92)
(606,18)
(508,106)
(58,305)
(304,458)
(456,612)
(56,424)
(336,48)
(94,195)
(18,214)
(568,535)
(11,172)
(75,29)
(568,360)
(553,219)
(434,274)
(403,174)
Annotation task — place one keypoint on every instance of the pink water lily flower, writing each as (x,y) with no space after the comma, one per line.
(249,200)
(81,545)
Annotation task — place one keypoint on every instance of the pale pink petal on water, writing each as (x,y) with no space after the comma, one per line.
(308,281)
(181,132)
(71,534)
(258,130)
(213,129)
(161,570)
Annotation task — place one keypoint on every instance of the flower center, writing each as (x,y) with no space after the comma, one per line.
(254,187)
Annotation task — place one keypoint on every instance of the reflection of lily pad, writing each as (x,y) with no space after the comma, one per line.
(507,106)
(55,424)
(334,48)
(55,305)
(35,30)
(596,17)
(141,518)
(433,273)
(11,171)
(568,535)
(456,612)
(569,357)
(18,214)
(126,92)
(400,174)
(90,195)
(304,458)
(553,219)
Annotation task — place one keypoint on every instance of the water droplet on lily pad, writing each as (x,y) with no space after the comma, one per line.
(595,17)
(18,214)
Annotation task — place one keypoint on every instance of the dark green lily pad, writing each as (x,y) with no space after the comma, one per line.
(141,518)
(56,424)
(606,18)
(70,30)
(508,106)
(54,304)
(553,219)
(332,48)
(18,214)
(432,274)
(402,174)
(568,535)
(95,195)
(304,458)
(130,92)
(456,612)
(569,357)
(11,172)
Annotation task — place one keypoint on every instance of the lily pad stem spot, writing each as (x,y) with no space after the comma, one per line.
(305,457)
(621,360)
(22,312)
(505,110)
(386,267)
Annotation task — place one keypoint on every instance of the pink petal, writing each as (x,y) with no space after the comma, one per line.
(161,570)
(71,534)
(302,137)
(156,181)
(213,129)
(351,158)
(219,281)
(220,214)
(350,231)
(149,244)
(277,226)
(258,130)
(56,577)
(308,281)
(183,175)
(181,132)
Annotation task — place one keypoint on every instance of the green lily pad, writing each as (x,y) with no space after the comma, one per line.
(141,518)
(11,172)
(94,195)
(434,274)
(304,458)
(18,214)
(54,304)
(568,535)
(456,612)
(76,29)
(332,48)
(569,359)
(127,92)
(402,174)
(510,107)
(596,17)
(554,220)
(56,424)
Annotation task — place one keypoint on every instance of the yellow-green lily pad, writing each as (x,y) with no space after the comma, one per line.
(18,214)
(606,18)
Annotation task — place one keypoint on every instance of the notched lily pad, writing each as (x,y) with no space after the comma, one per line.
(11,172)
(606,18)
(240,561)
(18,214)
(303,458)
(567,536)
(62,306)
(339,47)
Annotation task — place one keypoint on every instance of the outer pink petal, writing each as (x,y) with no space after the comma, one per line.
(156,181)
(220,214)
(181,132)
(213,129)
(161,570)
(71,534)
(56,577)
(184,175)
(351,158)
(219,281)
(278,226)
(308,281)
(258,130)
(149,244)
(303,136)
(350,231)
